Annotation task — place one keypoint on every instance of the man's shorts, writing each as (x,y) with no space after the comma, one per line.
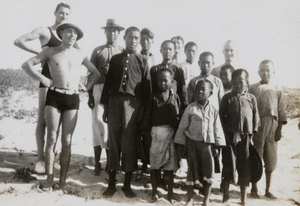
(61,101)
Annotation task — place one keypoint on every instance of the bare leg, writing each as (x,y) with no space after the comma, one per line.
(268,184)
(69,120)
(207,190)
(52,117)
(254,191)
(41,124)
(243,195)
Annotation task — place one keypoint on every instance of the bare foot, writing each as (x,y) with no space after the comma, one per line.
(190,202)
(254,195)
(154,197)
(270,196)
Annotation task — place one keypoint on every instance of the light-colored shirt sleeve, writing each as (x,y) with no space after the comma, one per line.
(180,137)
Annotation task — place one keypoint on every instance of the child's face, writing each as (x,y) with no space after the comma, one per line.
(167,51)
(146,42)
(132,40)
(239,84)
(206,63)
(266,72)
(178,45)
(202,92)
(190,53)
(164,81)
(225,76)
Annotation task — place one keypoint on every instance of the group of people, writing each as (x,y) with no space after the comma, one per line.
(159,113)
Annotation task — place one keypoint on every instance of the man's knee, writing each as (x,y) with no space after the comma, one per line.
(66,141)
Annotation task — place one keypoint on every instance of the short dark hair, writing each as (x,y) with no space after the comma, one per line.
(146,31)
(237,73)
(166,42)
(190,44)
(227,66)
(131,29)
(62,5)
(163,70)
(205,54)
(178,38)
(204,81)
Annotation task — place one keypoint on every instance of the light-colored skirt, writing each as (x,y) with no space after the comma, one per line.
(162,151)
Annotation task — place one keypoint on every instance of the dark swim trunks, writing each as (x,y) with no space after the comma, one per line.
(61,101)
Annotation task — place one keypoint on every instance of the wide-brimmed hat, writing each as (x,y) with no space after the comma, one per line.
(256,164)
(112,23)
(61,27)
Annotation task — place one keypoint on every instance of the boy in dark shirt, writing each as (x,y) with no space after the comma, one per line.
(179,87)
(225,76)
(163,115)
(240,119)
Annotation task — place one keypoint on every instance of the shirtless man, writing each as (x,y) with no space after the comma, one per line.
(47,39)
(62,101)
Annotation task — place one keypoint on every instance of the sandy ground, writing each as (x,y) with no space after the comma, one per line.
(18,150)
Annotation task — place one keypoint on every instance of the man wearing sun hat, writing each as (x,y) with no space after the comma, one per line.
(47,38)
(100,58)
(62,101)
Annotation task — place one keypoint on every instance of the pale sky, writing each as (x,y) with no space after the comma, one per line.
(263,29)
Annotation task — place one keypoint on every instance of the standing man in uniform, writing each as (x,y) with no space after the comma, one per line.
(125,93)
(100,58)
(47,38)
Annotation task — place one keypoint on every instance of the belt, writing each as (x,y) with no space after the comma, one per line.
(64,91)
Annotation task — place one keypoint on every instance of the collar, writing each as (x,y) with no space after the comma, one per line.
(242,94)
(144,52)
(205,76)
(203,106)
(167,65)
(264,82)
(111,45)
(128,52)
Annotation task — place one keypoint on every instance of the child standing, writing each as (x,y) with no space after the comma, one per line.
(178,86)
(225,76)
(163,115)
(201,132)
(206,62)
(239,117)
(190,66)
(271,111)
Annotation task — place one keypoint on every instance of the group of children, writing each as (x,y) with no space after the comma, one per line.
(223,114)
(194,122)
